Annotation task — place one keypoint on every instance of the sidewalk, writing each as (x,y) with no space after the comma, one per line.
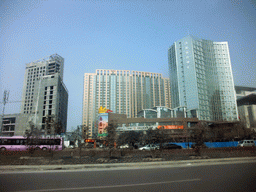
(141,165)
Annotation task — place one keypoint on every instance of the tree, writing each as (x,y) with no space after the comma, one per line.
(156,136)
(111,136)
(198,136)
(130,138)
(85,131)
(32,135)
(53,126)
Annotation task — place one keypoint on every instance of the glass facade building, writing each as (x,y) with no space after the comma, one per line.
(123,92)
(202,80)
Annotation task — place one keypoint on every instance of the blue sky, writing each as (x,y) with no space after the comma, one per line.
(117,34)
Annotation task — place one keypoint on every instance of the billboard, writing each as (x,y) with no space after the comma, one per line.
(171,126)
(103,121)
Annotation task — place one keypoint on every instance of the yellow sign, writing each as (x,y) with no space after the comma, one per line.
(102,110)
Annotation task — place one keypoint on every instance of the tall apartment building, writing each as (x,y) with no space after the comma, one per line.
(44,93)
(202,80)
(123,92)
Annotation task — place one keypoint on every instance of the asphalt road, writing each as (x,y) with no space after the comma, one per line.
(227,177)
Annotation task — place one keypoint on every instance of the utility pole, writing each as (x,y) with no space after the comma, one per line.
(5,100)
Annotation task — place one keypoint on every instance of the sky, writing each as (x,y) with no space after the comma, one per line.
(116,34)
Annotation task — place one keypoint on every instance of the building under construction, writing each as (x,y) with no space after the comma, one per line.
(45,97)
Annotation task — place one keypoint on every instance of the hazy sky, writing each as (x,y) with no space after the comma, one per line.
(117,34)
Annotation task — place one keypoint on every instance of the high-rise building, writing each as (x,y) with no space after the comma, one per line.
(202,80)
(44,93)
(246,103)
(123,92)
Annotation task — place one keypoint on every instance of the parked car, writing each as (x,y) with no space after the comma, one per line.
(246,143)
(149,147)
(126,146)
(170,146)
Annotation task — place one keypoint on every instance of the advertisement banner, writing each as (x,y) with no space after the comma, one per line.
(171,126)
(102,123)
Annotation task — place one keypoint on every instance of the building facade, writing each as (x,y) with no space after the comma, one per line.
(202,80)
(45,96)
(246,102)
(14,124)
(123,92)
(176,127)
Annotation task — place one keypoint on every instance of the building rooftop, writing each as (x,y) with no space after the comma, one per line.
(247,100)
(242,88)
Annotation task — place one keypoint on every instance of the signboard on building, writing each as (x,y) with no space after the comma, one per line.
(103,121)
(104,110)
(171,126)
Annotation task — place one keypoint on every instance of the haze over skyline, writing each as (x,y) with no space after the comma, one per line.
(121,35)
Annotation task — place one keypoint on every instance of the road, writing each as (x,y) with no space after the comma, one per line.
(225,177)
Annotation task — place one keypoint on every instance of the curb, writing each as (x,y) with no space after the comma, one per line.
(21,168)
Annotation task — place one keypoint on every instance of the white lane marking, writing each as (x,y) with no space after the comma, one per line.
(111,186)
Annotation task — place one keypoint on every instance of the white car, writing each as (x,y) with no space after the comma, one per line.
(246,143)
(126,146)
(149,147)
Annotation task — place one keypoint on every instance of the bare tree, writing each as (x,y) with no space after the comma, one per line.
(111,137)
(85,135)
(129,138)
(156,136)
(32,135)
(198,136)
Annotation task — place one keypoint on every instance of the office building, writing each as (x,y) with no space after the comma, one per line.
(201,79)
(44,93)
(14,124)
(246,103)
(123,92)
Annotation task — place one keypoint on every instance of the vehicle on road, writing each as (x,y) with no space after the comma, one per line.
(20,143)
(246,143)
(126,146)
(170,146)
(149,147)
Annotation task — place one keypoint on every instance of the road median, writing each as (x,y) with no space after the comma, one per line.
(31,168)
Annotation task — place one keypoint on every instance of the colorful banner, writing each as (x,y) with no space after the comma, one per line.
(171,126)
(102,123)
